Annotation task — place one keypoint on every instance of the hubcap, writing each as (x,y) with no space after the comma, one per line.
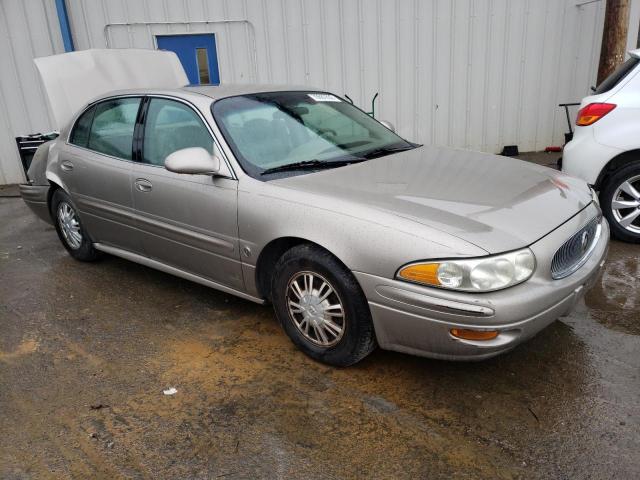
(625,204)
(315,309)
(69,225)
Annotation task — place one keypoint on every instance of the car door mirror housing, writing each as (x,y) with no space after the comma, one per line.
(193,160)
(387,124)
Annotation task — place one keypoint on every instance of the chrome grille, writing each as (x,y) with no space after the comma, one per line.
(575,251)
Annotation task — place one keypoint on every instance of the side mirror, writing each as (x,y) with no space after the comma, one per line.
(193,160)
(389,125)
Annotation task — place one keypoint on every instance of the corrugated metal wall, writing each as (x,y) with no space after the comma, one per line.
(475,74)
(633,35)
(28,29)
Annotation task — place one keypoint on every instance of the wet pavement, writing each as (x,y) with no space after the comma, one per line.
(86,351)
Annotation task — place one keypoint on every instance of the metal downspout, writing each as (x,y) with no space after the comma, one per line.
(65,26)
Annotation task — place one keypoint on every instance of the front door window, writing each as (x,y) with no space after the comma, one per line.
(172,126)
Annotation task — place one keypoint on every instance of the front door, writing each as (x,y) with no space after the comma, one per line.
(197,53)
(187,221)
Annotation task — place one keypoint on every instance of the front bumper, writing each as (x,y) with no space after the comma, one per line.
(35,196)
(417,320)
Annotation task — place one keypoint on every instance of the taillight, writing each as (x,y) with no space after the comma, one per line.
(593,112)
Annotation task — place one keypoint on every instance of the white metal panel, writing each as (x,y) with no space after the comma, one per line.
(633,35)
(474,74)
(27,30)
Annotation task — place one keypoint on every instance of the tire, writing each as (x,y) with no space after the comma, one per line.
(65,217)
(612,190)
(357,337)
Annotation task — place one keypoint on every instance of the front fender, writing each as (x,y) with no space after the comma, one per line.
(365,240)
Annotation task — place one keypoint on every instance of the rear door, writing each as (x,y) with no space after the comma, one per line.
(96,166)
(187,221)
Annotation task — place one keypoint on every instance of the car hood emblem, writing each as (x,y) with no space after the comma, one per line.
(584,241)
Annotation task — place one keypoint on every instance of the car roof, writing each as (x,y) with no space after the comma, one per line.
(231,90)
(213,91)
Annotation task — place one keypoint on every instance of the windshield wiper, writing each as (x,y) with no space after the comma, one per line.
(311,165)
(382,151)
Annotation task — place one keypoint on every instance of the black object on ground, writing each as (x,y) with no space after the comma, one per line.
(28,144)
(510,151)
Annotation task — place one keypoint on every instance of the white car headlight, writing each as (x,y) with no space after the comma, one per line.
(484,274)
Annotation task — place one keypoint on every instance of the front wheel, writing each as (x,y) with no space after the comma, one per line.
(321,307)
(620,200)
(70,231)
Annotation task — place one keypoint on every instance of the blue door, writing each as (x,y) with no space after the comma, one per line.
(197,54)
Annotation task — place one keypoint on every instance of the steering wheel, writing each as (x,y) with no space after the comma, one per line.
(323,132)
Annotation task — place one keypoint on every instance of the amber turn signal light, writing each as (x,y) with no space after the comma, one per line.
(426,273)
(467,334)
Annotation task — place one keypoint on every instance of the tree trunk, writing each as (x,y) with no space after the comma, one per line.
(614,37)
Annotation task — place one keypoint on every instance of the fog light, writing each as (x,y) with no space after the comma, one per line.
(467,334)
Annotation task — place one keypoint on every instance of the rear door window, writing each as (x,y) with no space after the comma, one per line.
(112,128)
(617,76)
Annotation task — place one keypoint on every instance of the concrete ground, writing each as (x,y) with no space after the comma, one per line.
(86,351)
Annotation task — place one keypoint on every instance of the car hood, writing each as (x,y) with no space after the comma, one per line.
(71,80)
(496,203)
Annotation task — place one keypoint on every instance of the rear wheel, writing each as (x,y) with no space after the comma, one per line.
(70,231)
(321,306)
(620,199)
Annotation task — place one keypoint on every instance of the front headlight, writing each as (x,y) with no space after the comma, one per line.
(483,274)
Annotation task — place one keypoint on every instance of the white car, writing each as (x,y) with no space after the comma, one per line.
(605,150)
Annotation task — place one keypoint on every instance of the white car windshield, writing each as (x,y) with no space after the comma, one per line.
(271,132)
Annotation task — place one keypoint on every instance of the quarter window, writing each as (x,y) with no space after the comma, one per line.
(172,126)
(80,133)
(112,129)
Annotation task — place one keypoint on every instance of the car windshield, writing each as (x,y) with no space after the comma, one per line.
(297,131)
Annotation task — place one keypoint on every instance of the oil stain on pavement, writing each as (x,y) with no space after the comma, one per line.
(86,351)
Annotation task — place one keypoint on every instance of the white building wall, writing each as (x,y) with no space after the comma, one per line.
(28,29)
(474,74)
(633,34)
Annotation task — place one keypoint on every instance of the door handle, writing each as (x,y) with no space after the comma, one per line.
(143,185)
(67,166)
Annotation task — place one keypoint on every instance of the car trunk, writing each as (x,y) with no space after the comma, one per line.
(71,80)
